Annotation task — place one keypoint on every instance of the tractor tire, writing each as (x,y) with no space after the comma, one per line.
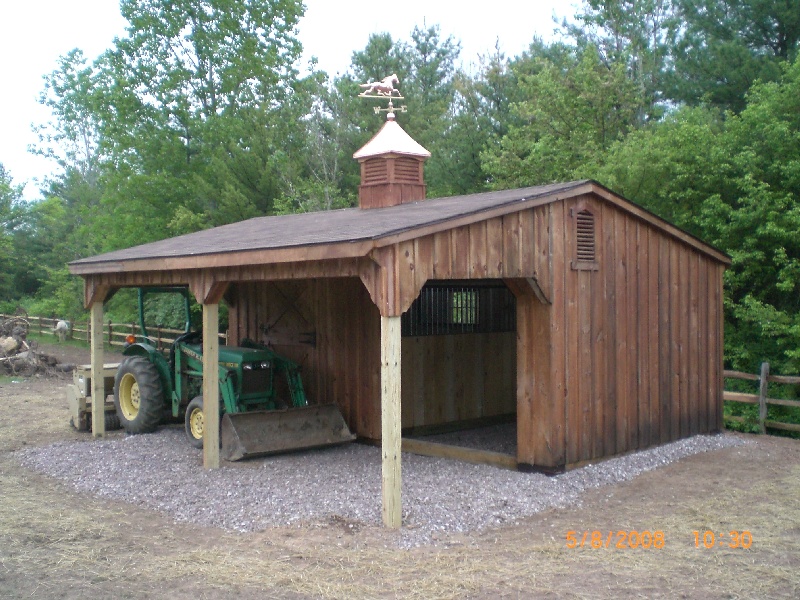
(111,422)
(195,422)
(138,396)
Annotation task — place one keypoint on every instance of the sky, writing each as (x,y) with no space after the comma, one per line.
(34,33)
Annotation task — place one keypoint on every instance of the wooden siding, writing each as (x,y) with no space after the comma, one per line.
(628,355)
(508,246)
(344,365)
(450,378)
(611,355)
(444,378)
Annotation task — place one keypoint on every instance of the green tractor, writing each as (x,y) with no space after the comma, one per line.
(263,407)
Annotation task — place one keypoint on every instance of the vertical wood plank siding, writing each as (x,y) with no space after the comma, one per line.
(635,346)
(343,367)
(622,355)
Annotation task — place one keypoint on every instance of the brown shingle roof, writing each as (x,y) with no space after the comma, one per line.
(354,231)
(328,227)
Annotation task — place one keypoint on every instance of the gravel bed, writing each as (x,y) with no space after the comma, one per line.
(160,471)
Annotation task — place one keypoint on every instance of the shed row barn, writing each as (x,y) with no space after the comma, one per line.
(592,322)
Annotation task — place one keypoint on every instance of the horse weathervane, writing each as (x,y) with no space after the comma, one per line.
(383,89)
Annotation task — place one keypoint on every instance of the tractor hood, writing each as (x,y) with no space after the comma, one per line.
(233,356)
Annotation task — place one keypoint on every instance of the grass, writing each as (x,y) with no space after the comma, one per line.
(100,543)
(49,340)
(57,542)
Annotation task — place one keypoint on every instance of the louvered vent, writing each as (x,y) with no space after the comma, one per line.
(375,171)
(406,170)
(585,230)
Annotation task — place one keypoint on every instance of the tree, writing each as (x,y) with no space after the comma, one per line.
(328,177)
(72,138)
(430,91)
(757,222)
(671,166)
(633,33)
(735,182)
(572,112)
(193,116)
(721,47)
(11,212)
(481,114)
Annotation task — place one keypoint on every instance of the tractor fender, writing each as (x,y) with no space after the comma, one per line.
(154,356)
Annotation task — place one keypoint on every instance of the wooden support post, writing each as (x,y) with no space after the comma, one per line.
(762,397)
(98,379)
(390,421)
(211,386)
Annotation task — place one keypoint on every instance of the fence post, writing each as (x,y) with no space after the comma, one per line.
(40,325)
(89,330)
(762,397)
(70,333)
(110,333)
(158,338)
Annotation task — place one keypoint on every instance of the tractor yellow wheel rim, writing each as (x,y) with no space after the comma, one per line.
(129,396)
(197,423)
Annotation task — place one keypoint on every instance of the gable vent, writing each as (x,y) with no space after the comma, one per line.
(585,237)
(585,242)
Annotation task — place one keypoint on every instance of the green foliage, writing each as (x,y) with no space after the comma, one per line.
(633,34)
(11,212)
(197,117)
(671,166)
(722,47)
(735,182)
(571,111)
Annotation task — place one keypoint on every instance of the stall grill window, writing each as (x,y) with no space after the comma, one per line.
(463,307)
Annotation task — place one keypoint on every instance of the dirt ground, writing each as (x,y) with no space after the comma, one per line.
(56,543)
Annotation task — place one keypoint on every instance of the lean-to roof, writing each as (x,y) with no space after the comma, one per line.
(350,232)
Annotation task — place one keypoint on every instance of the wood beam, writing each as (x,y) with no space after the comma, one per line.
(381,279)
(211,386)
(98,379)
(470,455)
(95,291)
(207,290)
(390,422)
(526,286)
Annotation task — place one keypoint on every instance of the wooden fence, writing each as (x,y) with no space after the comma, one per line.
(762,399)
(113,333)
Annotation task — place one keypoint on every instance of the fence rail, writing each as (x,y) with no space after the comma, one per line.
(762,399)
(113,333)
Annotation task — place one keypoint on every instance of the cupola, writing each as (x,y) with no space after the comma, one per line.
(391,168)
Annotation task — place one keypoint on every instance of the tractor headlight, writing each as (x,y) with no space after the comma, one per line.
(247,367)
(265,365)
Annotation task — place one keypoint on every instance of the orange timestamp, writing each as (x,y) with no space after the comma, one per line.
(732,539)
(616,539)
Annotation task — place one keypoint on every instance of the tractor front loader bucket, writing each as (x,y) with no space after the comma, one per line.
(258,433)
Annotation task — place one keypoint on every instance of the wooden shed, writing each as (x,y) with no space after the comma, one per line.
(592,322)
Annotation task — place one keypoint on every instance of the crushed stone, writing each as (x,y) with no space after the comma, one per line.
(161,472)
